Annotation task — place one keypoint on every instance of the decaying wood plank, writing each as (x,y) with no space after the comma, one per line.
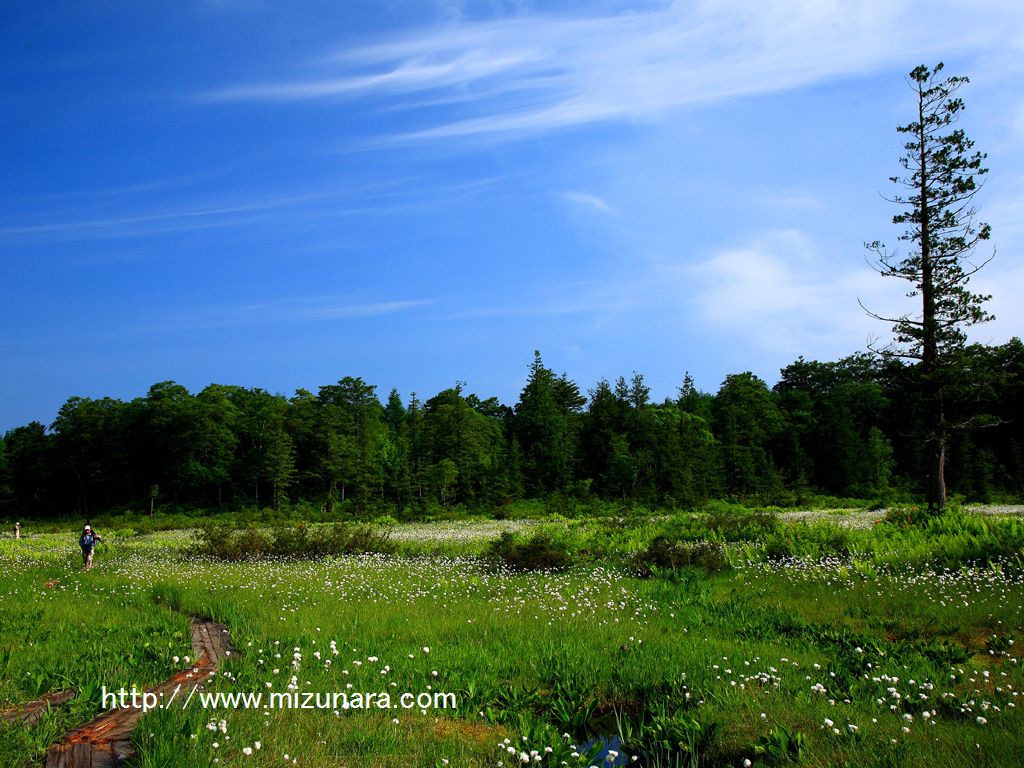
(31,712)
(105,741)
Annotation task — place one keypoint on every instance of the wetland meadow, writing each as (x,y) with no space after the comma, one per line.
(722,637)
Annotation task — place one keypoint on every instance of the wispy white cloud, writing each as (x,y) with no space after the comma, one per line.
(197,216)
(792,201)
(787,295)
(335,310)
(1003,277)
(288,310)
(596,301)
(539,72)
(1001,207)
(408,76)
(588,200)
(128,190)
(386,196)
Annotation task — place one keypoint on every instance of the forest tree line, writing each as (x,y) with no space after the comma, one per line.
(850,428)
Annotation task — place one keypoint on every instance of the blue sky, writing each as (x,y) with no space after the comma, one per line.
(279,194)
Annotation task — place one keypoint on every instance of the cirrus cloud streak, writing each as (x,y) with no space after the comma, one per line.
(533,73)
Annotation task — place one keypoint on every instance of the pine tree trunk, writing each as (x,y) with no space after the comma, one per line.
(936,457)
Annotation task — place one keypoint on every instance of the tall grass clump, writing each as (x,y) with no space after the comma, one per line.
(661,738)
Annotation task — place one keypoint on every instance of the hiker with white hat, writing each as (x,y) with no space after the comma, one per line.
(87,541)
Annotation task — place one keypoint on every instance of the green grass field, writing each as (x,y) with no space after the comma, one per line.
(809,643)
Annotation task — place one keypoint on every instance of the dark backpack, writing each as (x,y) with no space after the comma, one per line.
(87,540)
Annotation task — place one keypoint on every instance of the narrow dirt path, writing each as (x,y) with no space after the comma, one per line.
(106,741)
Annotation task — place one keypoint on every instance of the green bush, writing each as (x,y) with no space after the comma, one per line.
(747,526)
(542,551)
(817,540)
(724,522)
(231,543)
(664,554)
(358,539)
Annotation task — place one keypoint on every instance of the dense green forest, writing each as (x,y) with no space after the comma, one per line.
(845,428)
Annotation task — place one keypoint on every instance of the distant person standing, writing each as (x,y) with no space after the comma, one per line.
(87,541)
(17,531)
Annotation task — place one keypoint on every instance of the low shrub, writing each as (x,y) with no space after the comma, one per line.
(248,542)
(542,551)
(230,543)
(665,554)
(358,539)
(817,540)
(908,515)
(748,526)
(724,522)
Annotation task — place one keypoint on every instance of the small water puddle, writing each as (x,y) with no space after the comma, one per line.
(607,744)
